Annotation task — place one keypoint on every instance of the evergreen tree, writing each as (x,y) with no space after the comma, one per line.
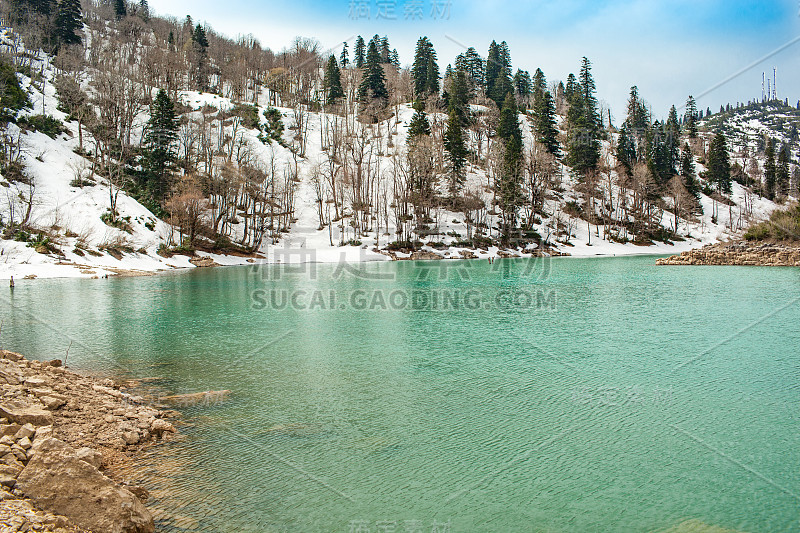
(344,58)
(508,183)
(672,131)
(538,87)
(690,118)
(385,50)
(456,148)
(333,81)
(419,124)
(120,9)
(638,117)
(545,124)
(459,98)
(471,63)
(425,70)
(359,52)
(770,170)
(782,172)
(68,23)
(394,58)
(688,172)
(200,69)
(373,84)
(522,84)
(588,88)
(626,149)
(144,10)
(498,73)
(159,145)
(719,166)
(571,87)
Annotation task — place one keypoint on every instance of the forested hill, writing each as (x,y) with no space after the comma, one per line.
(137,142)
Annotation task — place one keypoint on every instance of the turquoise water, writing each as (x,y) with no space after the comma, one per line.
(569,395)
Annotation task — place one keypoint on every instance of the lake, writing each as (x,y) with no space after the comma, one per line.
(551,395)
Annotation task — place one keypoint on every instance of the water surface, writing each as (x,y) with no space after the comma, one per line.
(569,395)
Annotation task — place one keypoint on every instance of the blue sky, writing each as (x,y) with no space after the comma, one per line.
(670,49)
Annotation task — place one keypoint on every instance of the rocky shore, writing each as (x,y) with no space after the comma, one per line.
(739,253)
(62,435)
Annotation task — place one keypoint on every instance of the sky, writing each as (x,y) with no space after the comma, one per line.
(713,49)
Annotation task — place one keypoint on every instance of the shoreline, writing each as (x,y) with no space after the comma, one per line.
(65,438)
(739,253)
(345,254)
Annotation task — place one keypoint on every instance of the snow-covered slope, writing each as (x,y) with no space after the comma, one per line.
(71,215)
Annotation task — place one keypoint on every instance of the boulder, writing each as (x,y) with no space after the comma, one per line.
(26,414)
(58,482)
(159,427)
(88,455)
(53,403)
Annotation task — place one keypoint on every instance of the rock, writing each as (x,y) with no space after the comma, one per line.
(9,378)
(7,481)
(130,437)
(197,398)
(35,382)
(109,419)
(139,492)
(88,455)
(159,427)
(53,403)
(25,431)
(55,363)
(19,453)
(58,482)
(203,262)
(4,449)
(43,432)
(24,443)
(10,429)
(26,414)
(10,470)
(425,256)
(12,461)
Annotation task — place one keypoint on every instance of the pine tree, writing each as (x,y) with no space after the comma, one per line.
(68,23)
(770,170)
(719,166)
(373,84)
(385,50)
(159,143)
(588,88)
(522,84)
(200,62)
(359,52)
(120,9)
(545,124)
(782,172)
(688,172)
(571,88)
(394,58)
(498,73)
(333,82)
(690,118)
(508,183)
(538,87)
(425,70)
(459,98)
(419,124)
(144,10)
(626,149)
(456,148)
(672,131)
(344,58)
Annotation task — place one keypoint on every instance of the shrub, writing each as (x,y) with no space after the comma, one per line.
(248,114)
(782,225)
(50,126)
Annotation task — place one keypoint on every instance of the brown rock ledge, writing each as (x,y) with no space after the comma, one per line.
(740,254)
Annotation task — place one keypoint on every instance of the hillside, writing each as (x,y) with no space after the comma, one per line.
(329,186)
